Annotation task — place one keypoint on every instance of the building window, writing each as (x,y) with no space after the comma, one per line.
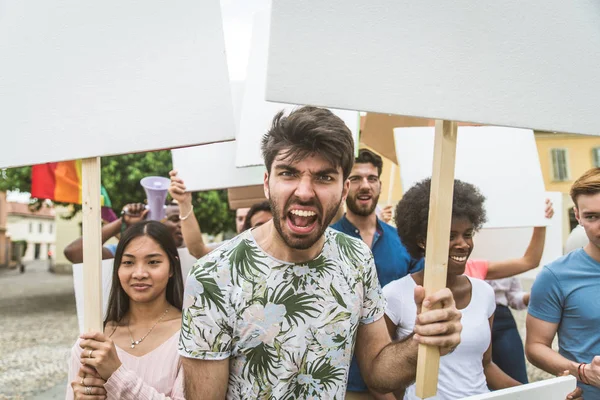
(40,228)
(596,156)
(560,168)
(31,227)
(50,229)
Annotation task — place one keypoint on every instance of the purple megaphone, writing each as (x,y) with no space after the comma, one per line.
(156,188)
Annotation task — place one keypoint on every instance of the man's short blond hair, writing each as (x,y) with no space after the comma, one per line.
(587,184)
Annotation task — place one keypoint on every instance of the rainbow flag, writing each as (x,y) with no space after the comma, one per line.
(61,182)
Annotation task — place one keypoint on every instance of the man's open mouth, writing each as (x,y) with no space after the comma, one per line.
(302,218)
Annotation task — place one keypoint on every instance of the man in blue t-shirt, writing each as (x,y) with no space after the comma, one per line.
(392,261)
(565,299)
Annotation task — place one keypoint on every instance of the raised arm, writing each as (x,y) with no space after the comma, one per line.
(530,260)
(190,228)
(132,213)
(388,366)
(205,379)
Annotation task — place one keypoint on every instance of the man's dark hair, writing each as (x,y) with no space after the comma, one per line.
(412,212)
(368,157)
(262,206)
(309,130)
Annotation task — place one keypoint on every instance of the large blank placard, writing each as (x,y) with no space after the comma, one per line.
(530,64)
(257,114)
(550,389)
(212,166)
(502,162)
(510,243)
(83,79)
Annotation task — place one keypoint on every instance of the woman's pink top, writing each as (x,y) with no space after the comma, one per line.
(477,268)
(155,375)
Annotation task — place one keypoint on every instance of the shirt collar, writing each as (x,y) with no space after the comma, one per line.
(349,226)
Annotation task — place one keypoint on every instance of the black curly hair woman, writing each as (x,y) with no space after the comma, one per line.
(468,370)
(412,213)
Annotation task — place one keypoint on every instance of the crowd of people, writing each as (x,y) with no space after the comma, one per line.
(311,302)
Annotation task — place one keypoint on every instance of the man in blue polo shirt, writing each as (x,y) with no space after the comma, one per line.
(392,261)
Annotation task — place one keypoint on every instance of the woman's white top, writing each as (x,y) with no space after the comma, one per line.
(461,372)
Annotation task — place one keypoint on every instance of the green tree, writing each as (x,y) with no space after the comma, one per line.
(121,177)
(15,179)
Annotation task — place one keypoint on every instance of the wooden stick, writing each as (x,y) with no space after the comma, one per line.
(391,187)
(436,253)
(92,245)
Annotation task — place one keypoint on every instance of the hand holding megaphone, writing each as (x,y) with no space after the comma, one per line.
(134,212)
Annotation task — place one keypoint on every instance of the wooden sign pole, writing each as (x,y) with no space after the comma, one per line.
(92,244)
(391,187)
(436,249)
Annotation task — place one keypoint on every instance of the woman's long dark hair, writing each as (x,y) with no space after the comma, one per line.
(118,301)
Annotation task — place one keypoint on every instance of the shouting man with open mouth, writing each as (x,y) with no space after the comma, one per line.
(278,311)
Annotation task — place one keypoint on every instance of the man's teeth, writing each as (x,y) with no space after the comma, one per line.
(459,259)
(303,213)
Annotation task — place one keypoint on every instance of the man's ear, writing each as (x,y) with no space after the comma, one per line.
(266,186)
(577,217)
(345,190)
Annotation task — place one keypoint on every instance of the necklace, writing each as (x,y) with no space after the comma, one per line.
(136,342)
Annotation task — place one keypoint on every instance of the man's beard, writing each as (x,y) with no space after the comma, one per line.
(351,203)
(305,242)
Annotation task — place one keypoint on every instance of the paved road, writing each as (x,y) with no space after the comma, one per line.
(39,326)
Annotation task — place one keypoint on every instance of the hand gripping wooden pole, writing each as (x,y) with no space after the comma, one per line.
(92,245)
(436,249)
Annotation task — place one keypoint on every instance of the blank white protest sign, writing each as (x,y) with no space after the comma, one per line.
(502,162)
(530,64)
(257,114)
(212,166)
(550,389)
(86,79)
(498,244)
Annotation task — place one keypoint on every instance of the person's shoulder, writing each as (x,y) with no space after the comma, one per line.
(400,285)
(337,225)
(348,249)
(342,239)
(220,254)
(387,227)
(225,247)
(481,286)
(563,266)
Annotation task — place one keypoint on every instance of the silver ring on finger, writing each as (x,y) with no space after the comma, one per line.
(88,390)
(90,354)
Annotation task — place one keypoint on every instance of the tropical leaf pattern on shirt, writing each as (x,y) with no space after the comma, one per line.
(287,329)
